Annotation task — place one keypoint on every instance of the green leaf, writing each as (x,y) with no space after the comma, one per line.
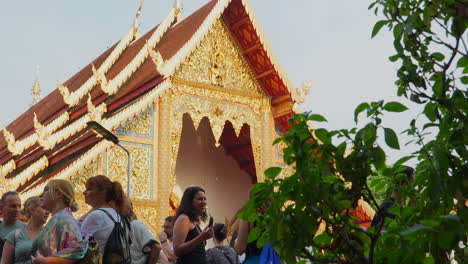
(378,26)
(455,218)
(395,107)
(391,138)
(398,31)
(322,239)
(278,140)
(438,56)
(402,161)
(394,57)
(272,172)
(462,62)
(430,111)
(429,260)
(414,229)
(359,109)
(317,118)
(464,79)
(254,234)
(323,135)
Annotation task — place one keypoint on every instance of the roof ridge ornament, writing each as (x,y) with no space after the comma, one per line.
(36,89)
(101,79)
(95,113)
(136,31)
(156,58)
(300,93)
(177,9)
(11,142)
(66,95)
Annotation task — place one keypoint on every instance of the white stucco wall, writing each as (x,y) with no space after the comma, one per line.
(200,163)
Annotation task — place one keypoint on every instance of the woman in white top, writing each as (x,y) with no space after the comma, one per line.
(102,194)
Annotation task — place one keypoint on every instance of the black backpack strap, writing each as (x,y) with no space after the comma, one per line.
(110,216)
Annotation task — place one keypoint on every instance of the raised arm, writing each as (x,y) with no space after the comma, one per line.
(241,241)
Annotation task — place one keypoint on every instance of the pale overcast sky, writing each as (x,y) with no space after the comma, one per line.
(326,42)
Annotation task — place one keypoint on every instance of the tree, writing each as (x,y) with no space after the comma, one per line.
(306,215)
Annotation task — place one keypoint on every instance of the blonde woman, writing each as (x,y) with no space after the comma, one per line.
(60,241)
(18,245)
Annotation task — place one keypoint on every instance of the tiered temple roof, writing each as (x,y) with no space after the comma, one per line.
(48,138)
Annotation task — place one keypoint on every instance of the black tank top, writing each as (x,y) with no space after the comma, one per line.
(197,255)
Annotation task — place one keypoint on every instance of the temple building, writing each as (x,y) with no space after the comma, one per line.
(197,102)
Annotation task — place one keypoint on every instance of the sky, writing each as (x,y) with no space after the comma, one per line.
(326,42)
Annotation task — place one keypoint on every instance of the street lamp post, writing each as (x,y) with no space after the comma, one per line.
(106,134)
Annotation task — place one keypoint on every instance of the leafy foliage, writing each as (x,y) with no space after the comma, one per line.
(307,215)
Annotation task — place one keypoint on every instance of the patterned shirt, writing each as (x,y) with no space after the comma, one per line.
(61,237)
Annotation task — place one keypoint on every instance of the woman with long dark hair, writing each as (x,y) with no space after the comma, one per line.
(189,240)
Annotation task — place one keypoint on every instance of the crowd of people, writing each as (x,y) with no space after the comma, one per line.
(111,232)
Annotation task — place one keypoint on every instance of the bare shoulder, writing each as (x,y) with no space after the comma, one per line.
(183,221)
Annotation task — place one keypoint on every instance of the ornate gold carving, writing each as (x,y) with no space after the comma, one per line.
(30,171)
(101,79)
(166,163)
(67,98)
(156,58)
(148,213)
(11,141)
(217,111)
(140,124)
(140,169)
(218,61)
(78,180)
(7,168)
(95,113)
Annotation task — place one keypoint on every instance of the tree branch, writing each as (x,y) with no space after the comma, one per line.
(319,260)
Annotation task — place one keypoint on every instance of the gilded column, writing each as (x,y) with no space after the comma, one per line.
(164,158)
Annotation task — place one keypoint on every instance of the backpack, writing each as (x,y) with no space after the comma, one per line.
(269,255)
(117,249)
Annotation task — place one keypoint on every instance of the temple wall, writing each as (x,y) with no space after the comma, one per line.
(200,163)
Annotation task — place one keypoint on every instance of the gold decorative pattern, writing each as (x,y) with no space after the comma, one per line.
(78,180)
(17,147)
(140,169)
(148,213)
(140,125)
(217,111)
(183,53)
(112,122)
(166,177)
(30,171)
(7,168)
(113,85)
(95,113)
(217,61)
(75,166)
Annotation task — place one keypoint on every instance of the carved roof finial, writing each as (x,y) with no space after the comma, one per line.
(177,7)
(299,94)
(36,89)
(136,32)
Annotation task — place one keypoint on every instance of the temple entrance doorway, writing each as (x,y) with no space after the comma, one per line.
(224,172)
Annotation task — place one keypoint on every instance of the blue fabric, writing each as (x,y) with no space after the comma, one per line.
(269,255)
(252,260)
